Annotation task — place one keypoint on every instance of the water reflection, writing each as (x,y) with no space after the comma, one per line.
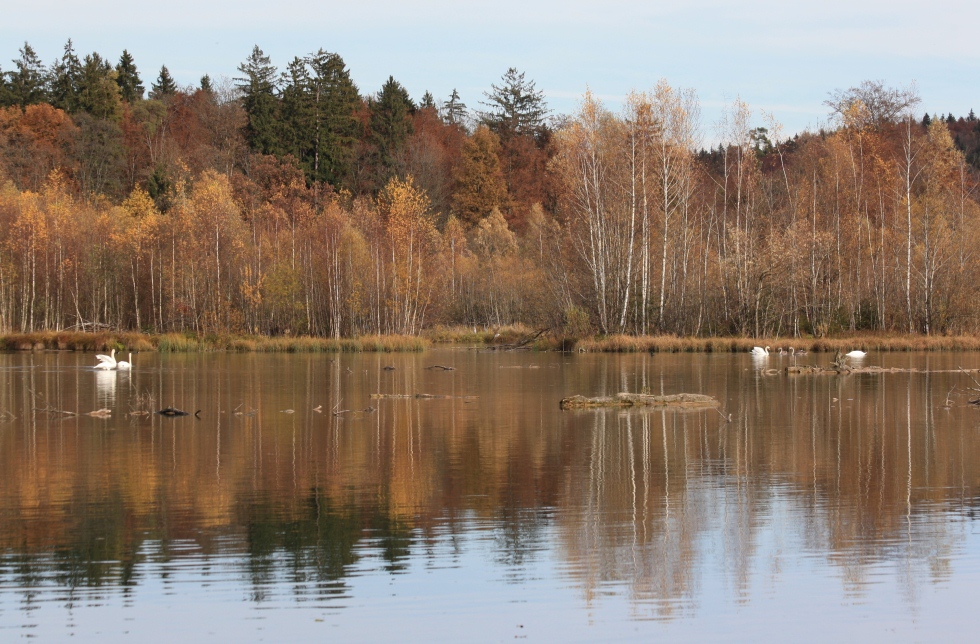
(105,386)
(858,472)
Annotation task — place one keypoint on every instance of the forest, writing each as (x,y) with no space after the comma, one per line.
(291,202)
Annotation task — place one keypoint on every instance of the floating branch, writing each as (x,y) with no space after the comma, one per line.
(341,412)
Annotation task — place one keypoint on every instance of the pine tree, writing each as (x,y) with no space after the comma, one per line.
(516,108)
(98,92)
(971,117)
(128,79)
(164,85)
(391,126)
(454,110)
(66,78)
(26,84)
(206,86)
(258,86)
(296,109)
(335,125)
(428,101)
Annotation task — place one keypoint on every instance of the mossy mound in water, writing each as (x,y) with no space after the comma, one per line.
(684,401)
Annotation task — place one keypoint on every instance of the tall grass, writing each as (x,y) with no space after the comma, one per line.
(675,344)
(508,334)
(186,342)
(189,342)
(76,341)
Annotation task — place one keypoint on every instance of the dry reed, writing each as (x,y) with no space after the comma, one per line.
(675,344)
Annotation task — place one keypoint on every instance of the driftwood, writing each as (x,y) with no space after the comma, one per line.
(674,401)
(441,367)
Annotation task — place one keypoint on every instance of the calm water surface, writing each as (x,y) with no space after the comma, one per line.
(296,506)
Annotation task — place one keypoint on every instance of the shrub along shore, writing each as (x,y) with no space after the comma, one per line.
(501,338)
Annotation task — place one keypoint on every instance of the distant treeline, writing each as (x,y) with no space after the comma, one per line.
(288,202)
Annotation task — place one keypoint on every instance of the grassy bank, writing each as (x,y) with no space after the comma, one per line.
(499,337)
(865,342)
(181,342)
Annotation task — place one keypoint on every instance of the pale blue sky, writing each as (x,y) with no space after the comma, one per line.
(783,57)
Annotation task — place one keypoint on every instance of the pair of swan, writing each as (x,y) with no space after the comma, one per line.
(760,351)
(108,362)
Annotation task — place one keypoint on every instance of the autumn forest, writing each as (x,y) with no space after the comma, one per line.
(289,201)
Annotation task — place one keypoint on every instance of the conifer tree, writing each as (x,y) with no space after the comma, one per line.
(98,92)
(295,109)
(66,78)
(258,85)
(206,86)
(164,85)
(26,84)
(454,110)
(128,79)
(335,100)
(391,126)
(515,107)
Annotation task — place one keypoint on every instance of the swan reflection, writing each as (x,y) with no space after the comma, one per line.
(105,385)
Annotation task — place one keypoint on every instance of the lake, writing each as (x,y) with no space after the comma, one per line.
(294,506)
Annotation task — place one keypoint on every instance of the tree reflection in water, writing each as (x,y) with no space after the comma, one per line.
(858,471)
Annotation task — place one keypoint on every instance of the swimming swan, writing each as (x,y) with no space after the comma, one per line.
(107,362)
(856,354)
(759,351)
(122,365)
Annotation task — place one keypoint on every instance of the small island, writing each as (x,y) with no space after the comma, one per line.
(680,401)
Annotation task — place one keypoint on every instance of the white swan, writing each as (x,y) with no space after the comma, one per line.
(759,351)
(856,354)
(122,365)
(107,362)
(782,351)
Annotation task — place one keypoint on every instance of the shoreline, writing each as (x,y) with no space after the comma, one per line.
(511,337)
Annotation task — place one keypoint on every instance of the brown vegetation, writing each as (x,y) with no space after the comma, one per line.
(256,210)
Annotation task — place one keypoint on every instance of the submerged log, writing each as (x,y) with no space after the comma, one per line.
(170,411)
(680,401)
